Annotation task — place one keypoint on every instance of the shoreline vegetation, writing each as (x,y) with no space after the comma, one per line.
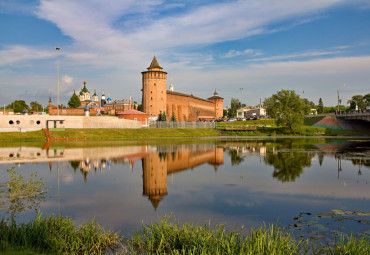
(263,130)
(59,235)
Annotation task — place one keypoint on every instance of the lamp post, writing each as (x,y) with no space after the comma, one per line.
(57,49)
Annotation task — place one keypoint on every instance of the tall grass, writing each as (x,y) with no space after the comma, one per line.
(167,237)
(55,235)
(58,235)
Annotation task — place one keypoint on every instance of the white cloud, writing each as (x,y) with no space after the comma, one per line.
(91,24)
(246,52)
(308,54)
(317,78)
(66,79)
(18,54)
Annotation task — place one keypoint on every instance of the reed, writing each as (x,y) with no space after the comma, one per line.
(56,235)
(166,237)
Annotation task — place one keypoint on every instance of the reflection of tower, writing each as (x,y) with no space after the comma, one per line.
(154,177)
(219,158)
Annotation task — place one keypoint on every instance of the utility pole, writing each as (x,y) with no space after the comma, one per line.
(338,99)
(57,49)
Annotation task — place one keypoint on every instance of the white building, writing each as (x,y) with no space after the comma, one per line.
(250,112)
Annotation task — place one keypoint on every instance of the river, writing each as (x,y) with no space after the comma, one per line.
(315,187)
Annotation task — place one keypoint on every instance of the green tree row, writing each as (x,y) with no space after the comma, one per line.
(20,105)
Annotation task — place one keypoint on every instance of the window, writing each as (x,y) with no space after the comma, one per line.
(11,122)
(18,122)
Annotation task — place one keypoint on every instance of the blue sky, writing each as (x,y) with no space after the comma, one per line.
(244,49)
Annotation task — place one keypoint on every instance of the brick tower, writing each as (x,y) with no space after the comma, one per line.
(219,102)
(154,89)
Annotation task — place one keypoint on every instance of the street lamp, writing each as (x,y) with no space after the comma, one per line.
(57,49)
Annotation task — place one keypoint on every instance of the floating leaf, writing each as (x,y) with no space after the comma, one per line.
(350,212)
(363,214)
(340,212)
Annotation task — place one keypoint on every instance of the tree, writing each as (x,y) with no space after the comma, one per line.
(74,101)
(235,104)
(320,108)
(173,117)
(308,105)
(288,108)
(357,103)
(18,106)
(162,116)
(35,106)
(367,99)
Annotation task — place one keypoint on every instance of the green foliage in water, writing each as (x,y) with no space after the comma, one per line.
(21,193)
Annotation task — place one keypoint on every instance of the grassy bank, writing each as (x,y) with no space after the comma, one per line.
(57,235)
(144,133)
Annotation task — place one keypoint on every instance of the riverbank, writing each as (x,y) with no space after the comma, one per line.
(144,133)
(58,235)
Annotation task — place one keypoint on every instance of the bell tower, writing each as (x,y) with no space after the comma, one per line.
(154,97)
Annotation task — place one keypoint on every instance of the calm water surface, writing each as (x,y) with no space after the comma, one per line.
(250,182)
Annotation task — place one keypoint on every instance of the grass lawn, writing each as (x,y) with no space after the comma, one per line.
(266,127)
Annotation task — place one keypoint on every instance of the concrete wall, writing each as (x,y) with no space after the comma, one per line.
(23,123)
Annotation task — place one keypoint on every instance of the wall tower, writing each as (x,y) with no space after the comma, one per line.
(219,105)
(154,97)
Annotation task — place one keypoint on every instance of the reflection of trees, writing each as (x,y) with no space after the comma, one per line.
(163,156)
(288,165)
(236,159)
(321,157)
(75,164)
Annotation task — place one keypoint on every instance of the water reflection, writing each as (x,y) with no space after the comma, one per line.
(169,160)
(247,182)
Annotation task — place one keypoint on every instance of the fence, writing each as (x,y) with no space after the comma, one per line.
(172,124)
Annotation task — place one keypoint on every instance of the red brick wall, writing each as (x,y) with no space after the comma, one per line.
(154,92)
(71,111)
(187,108)
(144,118)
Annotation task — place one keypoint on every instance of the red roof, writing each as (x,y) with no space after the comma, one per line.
(130,112)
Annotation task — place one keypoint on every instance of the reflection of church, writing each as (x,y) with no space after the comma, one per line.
(157,165)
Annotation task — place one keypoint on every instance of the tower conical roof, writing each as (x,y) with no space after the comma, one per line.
(154,64)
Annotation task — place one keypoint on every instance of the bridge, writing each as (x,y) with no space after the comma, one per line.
(353,115)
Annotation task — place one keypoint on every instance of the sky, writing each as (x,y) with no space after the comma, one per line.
(246,50)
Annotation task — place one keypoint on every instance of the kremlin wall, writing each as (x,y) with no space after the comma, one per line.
(156,99)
